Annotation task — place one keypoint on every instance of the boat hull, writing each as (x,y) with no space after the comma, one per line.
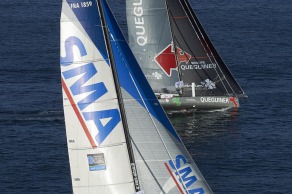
(199,103)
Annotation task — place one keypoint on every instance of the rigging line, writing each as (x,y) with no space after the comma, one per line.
(188,7)
(119,94)
(205,49)
(147,165)
(206,74)
(194,58)
(173,44)
(151,117)
(205,43)
(186,44)
(212,46)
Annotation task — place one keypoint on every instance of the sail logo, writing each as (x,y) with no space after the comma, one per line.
(168,59)
(139,23)
(183,176)
(104,120)
(198,66)
(214,99)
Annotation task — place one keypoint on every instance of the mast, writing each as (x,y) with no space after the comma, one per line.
(173,42)
(194,19)
(119,96)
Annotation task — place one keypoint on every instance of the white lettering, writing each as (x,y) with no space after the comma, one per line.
(142,40)
(142,30)
(195,65)
(214,99)
(82,4)
(139,23)
(138,11)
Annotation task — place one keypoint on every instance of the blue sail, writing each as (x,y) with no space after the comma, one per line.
(162,162)
(128,69)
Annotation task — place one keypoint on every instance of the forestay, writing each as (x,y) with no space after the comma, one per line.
(119,138)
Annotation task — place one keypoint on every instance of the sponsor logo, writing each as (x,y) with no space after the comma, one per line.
(183,175)
(214,99)
(154,75)
(167,60)
(81,75)
(208,84)
(233,100)
(96,162)
(157,75)
(139,23)
(198,65)
(176,101)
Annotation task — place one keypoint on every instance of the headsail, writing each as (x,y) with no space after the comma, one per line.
(187,51)
(119,138)
(95,134)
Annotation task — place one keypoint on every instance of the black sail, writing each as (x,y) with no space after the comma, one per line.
(199,62)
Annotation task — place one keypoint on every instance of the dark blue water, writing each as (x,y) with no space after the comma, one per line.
(248,151)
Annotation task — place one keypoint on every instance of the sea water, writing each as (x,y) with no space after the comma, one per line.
(245,151)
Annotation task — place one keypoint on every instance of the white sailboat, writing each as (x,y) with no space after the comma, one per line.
(120,140)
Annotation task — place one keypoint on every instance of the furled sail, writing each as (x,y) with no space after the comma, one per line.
(186,51)
(119,138)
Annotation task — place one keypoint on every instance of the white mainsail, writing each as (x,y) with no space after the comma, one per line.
(120,140)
